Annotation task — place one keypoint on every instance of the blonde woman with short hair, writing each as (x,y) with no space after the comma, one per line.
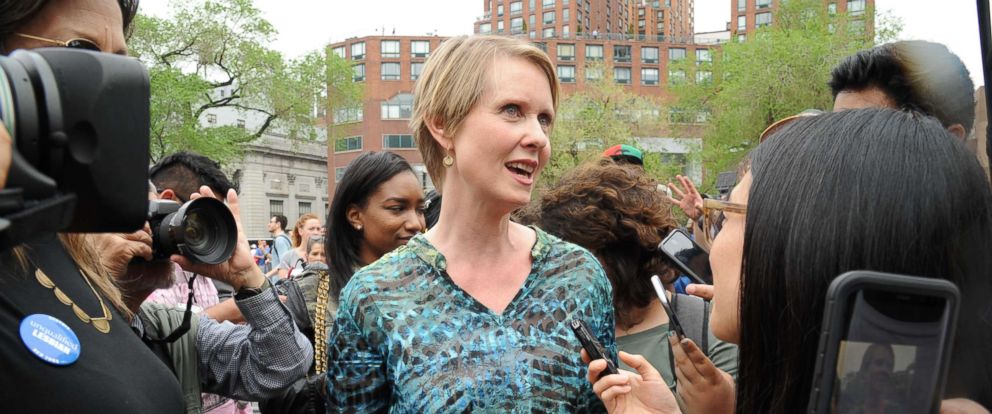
(473,315)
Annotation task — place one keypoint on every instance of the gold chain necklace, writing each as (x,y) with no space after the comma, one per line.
(320,330)
(100,324)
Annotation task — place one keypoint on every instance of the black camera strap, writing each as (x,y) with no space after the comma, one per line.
(184,326)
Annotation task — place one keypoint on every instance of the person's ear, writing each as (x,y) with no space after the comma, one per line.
(354,216)
(168,194)
(436,127)
(958,131)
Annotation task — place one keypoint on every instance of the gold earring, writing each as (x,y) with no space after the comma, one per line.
(448,159)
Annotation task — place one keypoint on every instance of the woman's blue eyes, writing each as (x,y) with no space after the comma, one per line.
(513,110)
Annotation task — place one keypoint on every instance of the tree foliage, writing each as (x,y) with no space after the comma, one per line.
(597,117)
(205,46)
(779,71)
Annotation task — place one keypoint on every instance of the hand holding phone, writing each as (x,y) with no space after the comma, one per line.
(592,346)
(689,256)
(673,320)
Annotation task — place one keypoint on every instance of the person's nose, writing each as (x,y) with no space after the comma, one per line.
(536,134)
(414,222)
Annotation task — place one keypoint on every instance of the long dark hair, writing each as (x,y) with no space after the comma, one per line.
(871,189)
(362,178)
(18,12)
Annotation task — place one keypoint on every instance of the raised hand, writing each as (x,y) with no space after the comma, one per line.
(240,270)
(689,199)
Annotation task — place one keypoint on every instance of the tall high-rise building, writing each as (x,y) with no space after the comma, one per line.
(747,15)
(630,41)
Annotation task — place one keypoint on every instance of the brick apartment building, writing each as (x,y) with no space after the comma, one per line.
(747,15)
(633,40)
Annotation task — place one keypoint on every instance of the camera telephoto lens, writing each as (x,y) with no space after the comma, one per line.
(202,230)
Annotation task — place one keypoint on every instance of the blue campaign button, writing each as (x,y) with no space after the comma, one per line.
(50,339)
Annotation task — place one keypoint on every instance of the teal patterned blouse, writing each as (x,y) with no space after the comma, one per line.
(408,340)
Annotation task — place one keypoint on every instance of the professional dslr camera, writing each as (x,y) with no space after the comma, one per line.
(79,121)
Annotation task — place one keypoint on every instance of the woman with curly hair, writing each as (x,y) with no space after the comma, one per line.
(618,214)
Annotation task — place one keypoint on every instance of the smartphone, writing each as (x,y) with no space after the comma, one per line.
(885,342)
(592,346)
(673,320)
(688,256)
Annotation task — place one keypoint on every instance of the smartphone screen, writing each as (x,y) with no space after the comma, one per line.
(889,355)
(688,255)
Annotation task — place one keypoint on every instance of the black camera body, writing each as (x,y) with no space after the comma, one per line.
(79,121)
(203,230)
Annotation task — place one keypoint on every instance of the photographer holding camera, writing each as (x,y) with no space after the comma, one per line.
(73,157)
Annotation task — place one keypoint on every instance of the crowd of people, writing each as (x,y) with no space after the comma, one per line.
(407,304)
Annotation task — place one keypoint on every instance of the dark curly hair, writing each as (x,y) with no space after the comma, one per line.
(618,214)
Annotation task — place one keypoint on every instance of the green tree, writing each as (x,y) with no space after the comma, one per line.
(780,70)
(205,47)
(602,114)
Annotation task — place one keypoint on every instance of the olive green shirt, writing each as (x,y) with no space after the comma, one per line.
(653,345)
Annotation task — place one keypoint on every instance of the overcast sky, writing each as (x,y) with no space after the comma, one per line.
(306,25)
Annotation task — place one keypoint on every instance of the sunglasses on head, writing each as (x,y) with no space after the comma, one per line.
(78,43)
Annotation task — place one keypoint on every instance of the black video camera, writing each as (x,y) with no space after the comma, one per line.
(79,121)
(202,230)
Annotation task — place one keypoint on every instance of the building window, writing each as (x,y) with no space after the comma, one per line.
(398,141)
(338,173)
(499,10)
(499,26)
(486,28)
(676,77)
(649,76)
(516,7)
(420,48)
(211,119)
(275,207)
(339,51)
(649,54)
(241,123)
(348,144)
(855,6)
(832,8)
(763,3)
(704,76)
(548,3)
(531,19)
(548,33)
(676,54)
(390,49)
(346,115)
(415,69)
(391,71)
(566,74)
(399,107)
(621,53)
(358,51)
(549,17)
(741,5)
(703,55)
(531,4)
(741,23)
(566,51)
(594,74)
(594,52)
(304,207)
(359,74)
(622,75)
(564,16)
(741,38)
(565,31)
(517,25)
(762,19)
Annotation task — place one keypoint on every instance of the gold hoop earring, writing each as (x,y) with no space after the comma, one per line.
(448,159)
